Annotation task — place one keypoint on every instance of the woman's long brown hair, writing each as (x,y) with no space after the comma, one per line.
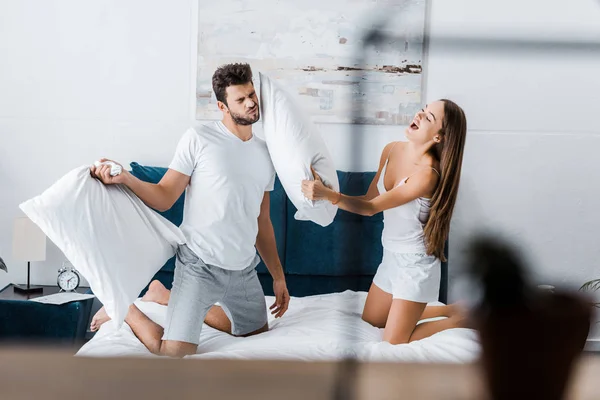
(449,152)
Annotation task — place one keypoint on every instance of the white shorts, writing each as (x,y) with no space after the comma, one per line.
(409,276)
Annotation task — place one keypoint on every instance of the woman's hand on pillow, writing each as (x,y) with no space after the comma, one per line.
(316,189)
(102,173)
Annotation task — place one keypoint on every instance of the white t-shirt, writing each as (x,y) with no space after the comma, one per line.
(229,178)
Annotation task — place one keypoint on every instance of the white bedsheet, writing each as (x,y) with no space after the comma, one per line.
(326,327)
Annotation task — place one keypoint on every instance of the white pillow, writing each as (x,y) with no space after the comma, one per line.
(109,235)
(295,144)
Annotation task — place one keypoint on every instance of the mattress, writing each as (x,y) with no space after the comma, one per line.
(315,328)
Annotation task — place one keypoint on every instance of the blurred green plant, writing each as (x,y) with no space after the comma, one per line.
(591,286)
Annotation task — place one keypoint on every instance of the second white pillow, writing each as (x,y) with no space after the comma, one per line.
(111,237)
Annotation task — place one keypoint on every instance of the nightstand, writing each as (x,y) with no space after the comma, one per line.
(29,322)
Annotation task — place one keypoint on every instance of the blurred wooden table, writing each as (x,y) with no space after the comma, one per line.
(30,373)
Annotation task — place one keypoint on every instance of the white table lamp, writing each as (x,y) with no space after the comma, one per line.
(29,244)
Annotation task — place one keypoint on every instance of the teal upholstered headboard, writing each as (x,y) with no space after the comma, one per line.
(344,255)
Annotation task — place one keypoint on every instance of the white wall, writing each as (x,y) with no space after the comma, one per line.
(80,80)
(530,167)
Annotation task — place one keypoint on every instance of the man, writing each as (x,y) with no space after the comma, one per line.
(228,175)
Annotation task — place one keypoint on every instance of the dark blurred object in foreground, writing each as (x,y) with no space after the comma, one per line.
(3,265)
(530,338)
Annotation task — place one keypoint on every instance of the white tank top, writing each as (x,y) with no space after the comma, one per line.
(403,225)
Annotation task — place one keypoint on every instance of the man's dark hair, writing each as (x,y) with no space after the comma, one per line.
(228,75)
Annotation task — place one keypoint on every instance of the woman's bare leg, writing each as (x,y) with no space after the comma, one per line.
(379,303)
(441,311)
(427,329)
(402,320)
(377,307)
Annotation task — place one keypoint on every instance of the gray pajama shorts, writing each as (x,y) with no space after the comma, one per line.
(198,286)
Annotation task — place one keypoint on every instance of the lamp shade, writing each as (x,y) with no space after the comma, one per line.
(29,242)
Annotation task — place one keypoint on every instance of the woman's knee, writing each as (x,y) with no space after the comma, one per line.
(394,340)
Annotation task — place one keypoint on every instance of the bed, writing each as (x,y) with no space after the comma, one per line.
(328,285)
(315,328)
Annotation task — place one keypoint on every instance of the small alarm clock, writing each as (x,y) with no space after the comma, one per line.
(68,278)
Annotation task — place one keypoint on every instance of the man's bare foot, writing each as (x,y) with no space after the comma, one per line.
(99,318)
(157,293)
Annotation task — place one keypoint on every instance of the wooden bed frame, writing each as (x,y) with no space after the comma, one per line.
(44,373)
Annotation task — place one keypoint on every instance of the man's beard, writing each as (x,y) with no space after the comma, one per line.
(242,120)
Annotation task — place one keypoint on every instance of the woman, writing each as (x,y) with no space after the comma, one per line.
(415,187)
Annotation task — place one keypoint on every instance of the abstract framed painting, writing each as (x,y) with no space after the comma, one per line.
(311,48)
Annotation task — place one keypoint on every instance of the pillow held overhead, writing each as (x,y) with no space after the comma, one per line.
(295,145)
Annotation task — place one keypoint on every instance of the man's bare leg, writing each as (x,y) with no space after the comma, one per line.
(217,319)
(157,293)
(150,334)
